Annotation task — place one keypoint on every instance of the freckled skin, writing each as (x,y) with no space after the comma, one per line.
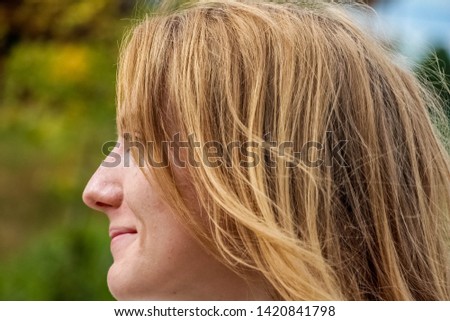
(162,261)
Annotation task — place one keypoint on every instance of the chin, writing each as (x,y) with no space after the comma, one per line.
(122,285)
(130,285)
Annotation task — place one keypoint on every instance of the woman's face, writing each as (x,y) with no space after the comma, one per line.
(155,258)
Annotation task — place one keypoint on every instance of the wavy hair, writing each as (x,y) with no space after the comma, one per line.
(371,226)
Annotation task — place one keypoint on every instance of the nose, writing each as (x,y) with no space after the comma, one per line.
(104,191)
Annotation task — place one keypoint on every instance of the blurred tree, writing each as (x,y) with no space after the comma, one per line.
(57,74)
(59,21)
(436,69)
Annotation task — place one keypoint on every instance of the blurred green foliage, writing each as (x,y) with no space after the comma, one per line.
(66,263)
(57,103)
(436,69)
(57,73)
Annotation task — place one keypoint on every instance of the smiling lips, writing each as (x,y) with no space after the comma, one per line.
(121,238)
(119,231)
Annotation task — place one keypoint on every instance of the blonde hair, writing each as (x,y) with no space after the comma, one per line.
(370,227)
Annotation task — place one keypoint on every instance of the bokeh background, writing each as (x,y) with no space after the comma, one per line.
(57,102)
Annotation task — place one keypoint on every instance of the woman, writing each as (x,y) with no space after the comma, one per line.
(278,154)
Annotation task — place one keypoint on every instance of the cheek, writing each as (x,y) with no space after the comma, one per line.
(160,232)
(184,182)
